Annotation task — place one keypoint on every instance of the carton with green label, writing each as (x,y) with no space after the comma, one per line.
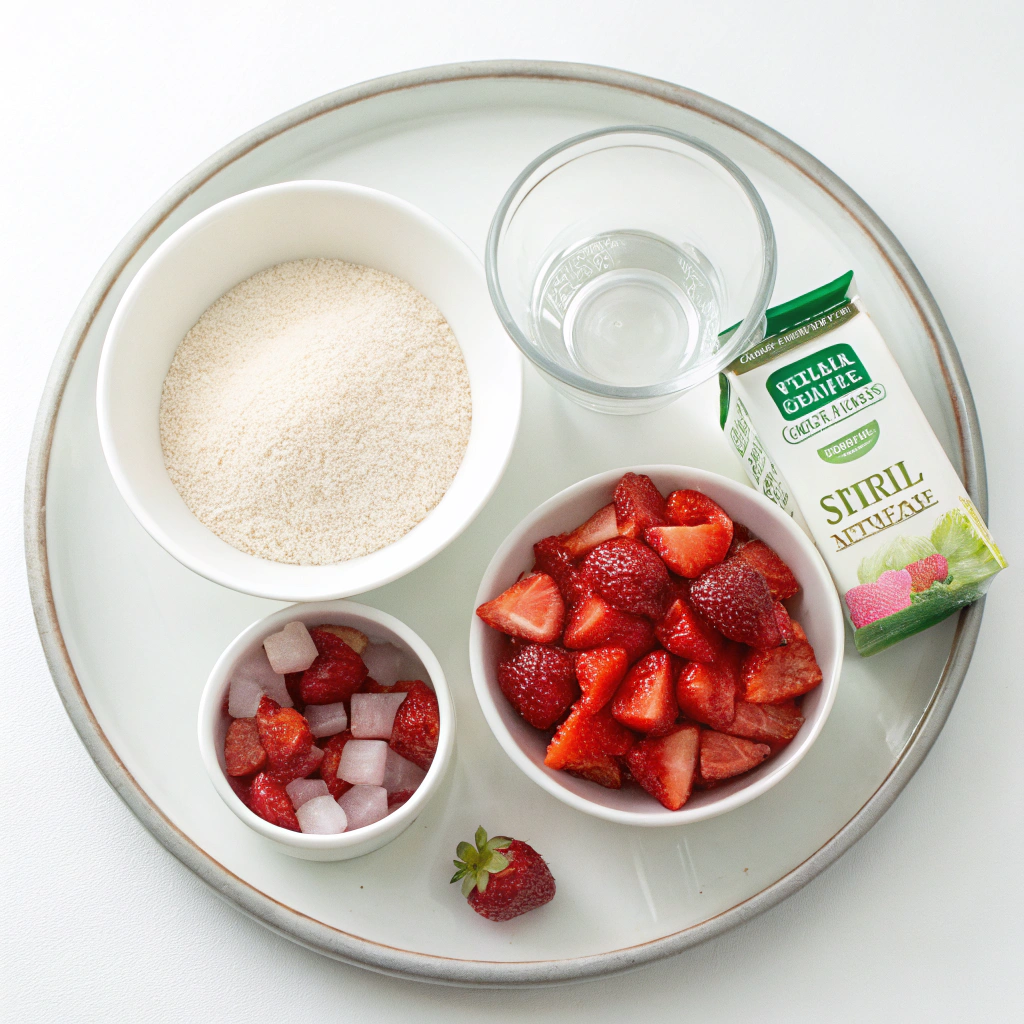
(826,426)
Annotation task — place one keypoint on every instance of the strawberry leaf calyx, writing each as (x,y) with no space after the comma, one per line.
(476,864)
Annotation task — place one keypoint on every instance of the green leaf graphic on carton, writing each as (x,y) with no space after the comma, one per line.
(969,557)
(897,554)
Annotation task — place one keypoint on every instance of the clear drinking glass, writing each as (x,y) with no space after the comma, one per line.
(617,259)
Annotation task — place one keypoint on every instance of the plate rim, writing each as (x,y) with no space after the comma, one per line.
(367,953)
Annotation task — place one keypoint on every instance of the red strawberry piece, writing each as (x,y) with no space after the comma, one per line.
(501,877)
(628,575)
(691,508)
(589,746)
(336,673)
(241,789)
(774,724)
(780,578)
(740,536)
(271,802)
(243,752)
(538,681)
(737,602)
(777,675)
(601,526)
(298,768)
(599,672)
(689,550)
(595,623)
(722,756)
(707,693)
(329,765)
(638,505)
(926,571)
(666,765)
(532,609)
(785,623)
(293,683)
(417,726)
(646,700)
(552,556)
(283,732)
(683,632)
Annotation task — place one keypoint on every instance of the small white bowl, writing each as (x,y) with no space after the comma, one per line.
(816,607)
(232,241)
(214,720)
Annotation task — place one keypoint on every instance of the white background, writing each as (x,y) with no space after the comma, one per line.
(916,105)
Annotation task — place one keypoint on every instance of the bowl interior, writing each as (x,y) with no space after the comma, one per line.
(225,245)
(816,607)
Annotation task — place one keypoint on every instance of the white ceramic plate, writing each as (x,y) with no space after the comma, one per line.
(108,599)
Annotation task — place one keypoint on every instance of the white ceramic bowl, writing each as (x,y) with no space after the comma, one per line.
(232,241)
(816,607)
(213,725)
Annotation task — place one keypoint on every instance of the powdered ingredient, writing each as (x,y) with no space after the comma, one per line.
(316,412)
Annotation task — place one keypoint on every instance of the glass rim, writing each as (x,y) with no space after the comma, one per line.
(739,337)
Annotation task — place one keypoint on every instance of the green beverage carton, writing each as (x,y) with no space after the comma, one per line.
(826,427)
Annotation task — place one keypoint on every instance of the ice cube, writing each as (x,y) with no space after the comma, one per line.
(303,790)
(401,776)
(383,662)
(363,805)
(321,816)
(256,670)
(327,719)
(362,762)
(356,640)
(373,714)
(291,650)
(244,696)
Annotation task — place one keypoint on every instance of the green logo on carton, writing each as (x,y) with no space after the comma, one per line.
(812,382)
(855,444)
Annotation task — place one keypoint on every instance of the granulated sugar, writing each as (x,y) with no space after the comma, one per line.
(316,412)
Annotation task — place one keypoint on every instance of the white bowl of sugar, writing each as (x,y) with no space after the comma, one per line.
(305,392)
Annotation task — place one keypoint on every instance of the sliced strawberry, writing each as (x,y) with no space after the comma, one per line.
(336,673)
(539,682)
(532,609)
(689,550)
(665,765)
(785,623)
(737,602)
(781,580)
(777,675)
(722,756)
(271,802)
(552,556)
(707,693)
(329,765)
(283,732)
(417,726)
(243,752)
(595,623)
(601,526)
(775,724)
(691,508)
(740,536)
(646,700)
(589,746)
(683,632)
(599,672)
(300,767)
(628,575)
(638,505)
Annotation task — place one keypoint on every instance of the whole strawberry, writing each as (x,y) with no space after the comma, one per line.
(501,877)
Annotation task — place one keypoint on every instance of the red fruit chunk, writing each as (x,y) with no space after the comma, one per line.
(298,768)
(595,623)
(531,609)
(628,575)
(283,732)
(683,632)
(638,505)
(271,802)
(665,765)
(692,508)
(775,724)
(722,757)
(785,623)
(707,693)
(601,526)
(240,788)
(539,682)
(243,752)
(740,536)
(773,676)
(552,556)
(329,765)
(417,726)
(336,673)
(737,602)
(646,700)
(781,580)
(599,673)
(293,683)
(589,745)
(689,550)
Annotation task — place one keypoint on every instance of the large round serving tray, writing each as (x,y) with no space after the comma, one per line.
(130,635)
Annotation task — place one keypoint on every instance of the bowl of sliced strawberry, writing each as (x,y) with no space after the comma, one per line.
(657,646)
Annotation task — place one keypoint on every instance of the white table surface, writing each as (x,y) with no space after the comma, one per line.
(916,104)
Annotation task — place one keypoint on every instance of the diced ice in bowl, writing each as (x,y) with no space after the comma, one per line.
(321,816)
(291,650)
(244,696)
(401,777)
(303,790)
(362,762)
(251,676)
(373,714)
(326,719)
(383,662)
(363,805)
